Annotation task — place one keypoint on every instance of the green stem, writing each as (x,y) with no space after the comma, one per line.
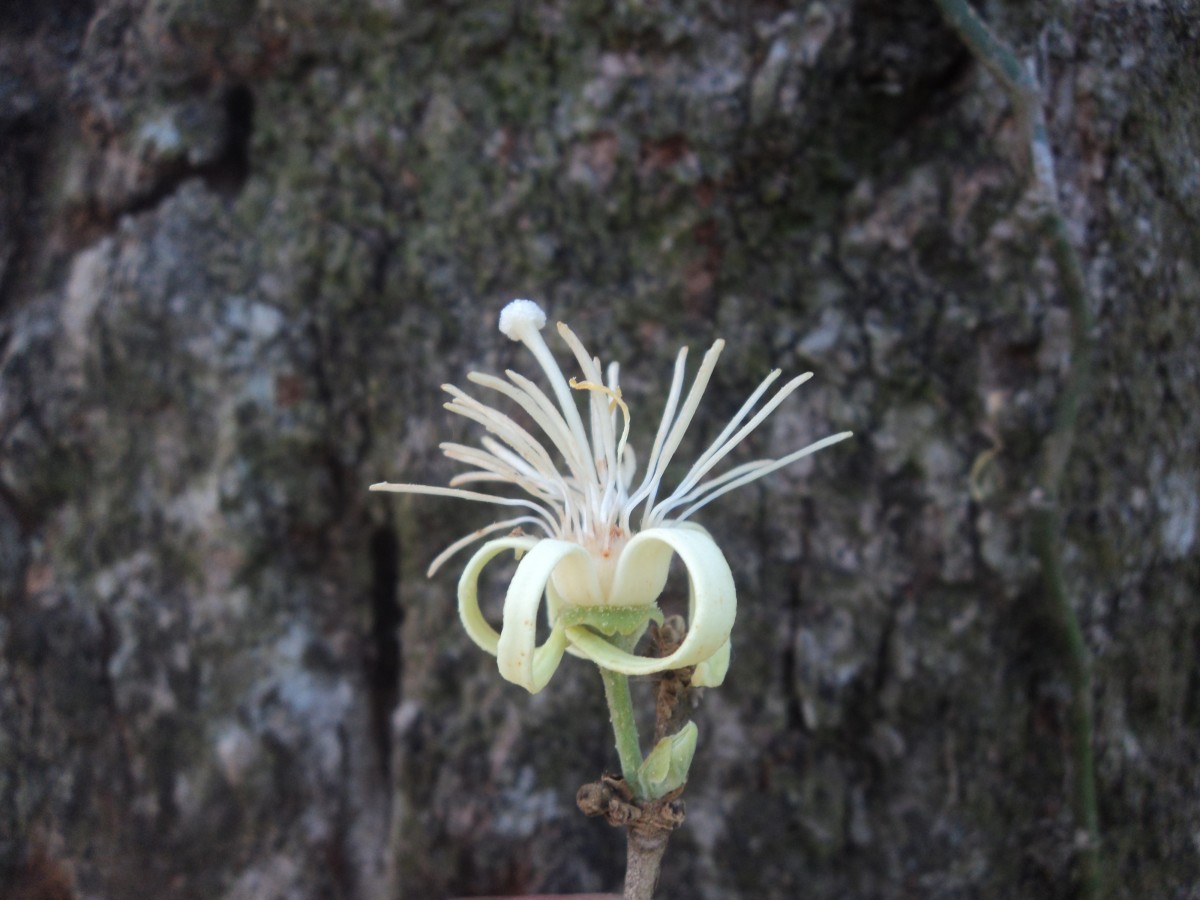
(987,47)
(1079,673)
(620,713)
(1025,95)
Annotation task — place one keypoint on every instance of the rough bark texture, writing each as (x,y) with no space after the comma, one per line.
(242,242)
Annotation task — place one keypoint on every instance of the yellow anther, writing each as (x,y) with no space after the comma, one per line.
(614,395)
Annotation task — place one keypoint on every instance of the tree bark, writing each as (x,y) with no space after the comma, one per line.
(243,243)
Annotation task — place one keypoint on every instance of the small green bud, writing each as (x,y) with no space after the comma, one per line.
(666,768)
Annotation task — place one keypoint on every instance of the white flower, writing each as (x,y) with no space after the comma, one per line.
(599,576)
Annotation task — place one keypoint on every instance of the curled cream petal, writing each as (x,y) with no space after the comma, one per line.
(642,570)
(711,672)
(554,605)
(473,621)
(520,660)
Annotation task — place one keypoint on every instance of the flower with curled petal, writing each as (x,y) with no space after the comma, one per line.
(598,577)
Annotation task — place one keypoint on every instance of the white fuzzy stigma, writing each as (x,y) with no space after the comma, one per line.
(521,319)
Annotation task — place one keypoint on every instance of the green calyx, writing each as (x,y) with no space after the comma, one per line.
(610,620)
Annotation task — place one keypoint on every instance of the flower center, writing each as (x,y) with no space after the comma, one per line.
(588,582)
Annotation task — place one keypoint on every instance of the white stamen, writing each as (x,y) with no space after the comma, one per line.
(530,449)
(547,417)
(664,426)
(650,486)
(493,469)
(476,535)
(570,450)
(721,447)
(532,339)
(577,481)
(766,470)
(602,437)
(521,318)
(430,490)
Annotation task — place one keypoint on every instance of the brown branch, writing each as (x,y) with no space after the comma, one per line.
(648,825)
(673,694)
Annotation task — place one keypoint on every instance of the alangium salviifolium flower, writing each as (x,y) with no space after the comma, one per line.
(594,544)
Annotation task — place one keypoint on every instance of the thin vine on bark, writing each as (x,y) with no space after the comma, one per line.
(1025,94)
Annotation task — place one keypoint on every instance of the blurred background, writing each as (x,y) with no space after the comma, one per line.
(243,242)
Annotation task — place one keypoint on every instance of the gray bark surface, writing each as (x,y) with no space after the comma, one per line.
(243,242)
